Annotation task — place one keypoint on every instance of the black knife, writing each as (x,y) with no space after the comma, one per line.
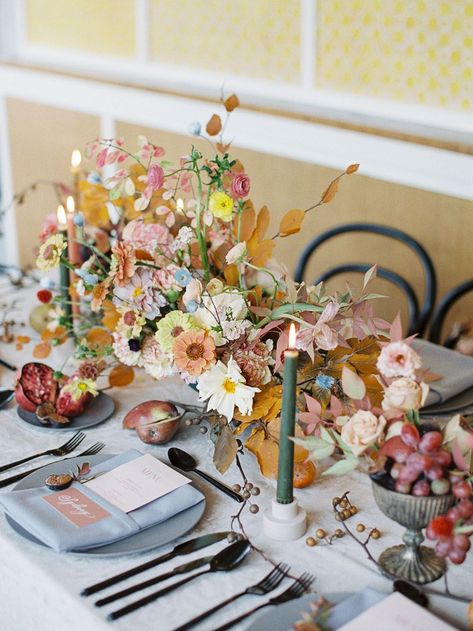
(180,569)
(183,548)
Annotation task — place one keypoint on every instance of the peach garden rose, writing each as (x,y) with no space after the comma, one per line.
(363,430)
(404,394)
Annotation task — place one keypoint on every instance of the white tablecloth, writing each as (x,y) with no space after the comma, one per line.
(39,589)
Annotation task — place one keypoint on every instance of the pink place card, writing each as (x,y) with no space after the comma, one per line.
(137,483)
(396,613)
(76,507)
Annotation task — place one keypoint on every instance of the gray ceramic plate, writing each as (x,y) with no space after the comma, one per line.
(282,618)
(99,410)
(143,541)
(454,404)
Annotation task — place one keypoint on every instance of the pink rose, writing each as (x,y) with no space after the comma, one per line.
(240,186)
(398,359)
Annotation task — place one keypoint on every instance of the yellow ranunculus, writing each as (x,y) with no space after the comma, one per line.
(50,252)
(221,205)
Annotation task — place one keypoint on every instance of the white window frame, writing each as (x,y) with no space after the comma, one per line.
(384,158)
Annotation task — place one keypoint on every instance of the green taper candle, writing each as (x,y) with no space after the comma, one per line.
(64,276)
(284,493)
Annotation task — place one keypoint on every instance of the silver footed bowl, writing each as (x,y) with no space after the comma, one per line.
(411,561)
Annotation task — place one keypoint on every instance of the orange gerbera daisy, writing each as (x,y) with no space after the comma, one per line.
(123,262)
(194,351)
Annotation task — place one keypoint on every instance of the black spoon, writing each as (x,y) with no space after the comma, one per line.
(6,396)
(227,559)
(184,461)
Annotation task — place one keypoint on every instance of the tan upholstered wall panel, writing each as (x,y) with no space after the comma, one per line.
(417,51)
(42,139)
(91,26)
(444,225)
(254,38)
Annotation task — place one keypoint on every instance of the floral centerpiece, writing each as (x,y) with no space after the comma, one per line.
(190,287)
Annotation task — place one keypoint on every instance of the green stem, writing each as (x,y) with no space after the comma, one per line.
(200,235)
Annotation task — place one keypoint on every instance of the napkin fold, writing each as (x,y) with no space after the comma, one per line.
(353,606)
(34,513)
(456,372)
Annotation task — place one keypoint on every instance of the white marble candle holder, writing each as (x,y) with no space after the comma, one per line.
(284,522)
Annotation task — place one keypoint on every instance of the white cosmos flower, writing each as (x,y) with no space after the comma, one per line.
(224,388)
(219,309)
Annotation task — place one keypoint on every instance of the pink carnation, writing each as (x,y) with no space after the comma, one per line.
(240,186)
(144,235)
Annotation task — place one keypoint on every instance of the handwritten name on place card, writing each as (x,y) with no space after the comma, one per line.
(76,507)
(137,483)
(396,613)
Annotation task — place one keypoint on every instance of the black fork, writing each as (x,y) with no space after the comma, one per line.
(63,450)
(299,587)
(91,451)
(265,585)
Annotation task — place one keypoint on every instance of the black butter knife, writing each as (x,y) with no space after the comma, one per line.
(183,548)
(180,569)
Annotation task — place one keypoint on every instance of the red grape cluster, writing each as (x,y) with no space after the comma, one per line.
(451,531)
(420,463)
(421,466)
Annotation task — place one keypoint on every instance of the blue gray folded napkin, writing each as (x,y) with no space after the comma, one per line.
(354,606)
(29,509)
(456,372)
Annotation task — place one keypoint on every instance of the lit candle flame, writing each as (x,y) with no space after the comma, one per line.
(61,216)
(180,204)
(70,205)
(292,336)
(76,159)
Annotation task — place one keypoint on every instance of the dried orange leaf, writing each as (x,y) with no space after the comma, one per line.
(223,148)
(353,168)
(267,456)
(265,251)
(99,338)
(255,439)
(23,339)
(231,103)
(214,126)
(231,275)
(247,222)
(143,255)
(330,192)
(121,376)
(42,350)
(291,222)
(110,315)
(262,222)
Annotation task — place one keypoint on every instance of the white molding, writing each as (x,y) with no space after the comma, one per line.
(142,33)
(430,122)
(308,42)
(423,167)
(12,27)
(9,252)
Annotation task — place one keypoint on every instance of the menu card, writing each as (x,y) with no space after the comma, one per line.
(136,483)
(396,613)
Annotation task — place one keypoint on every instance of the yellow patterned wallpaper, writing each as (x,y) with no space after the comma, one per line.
(410,50)
(255,38)
(92,26)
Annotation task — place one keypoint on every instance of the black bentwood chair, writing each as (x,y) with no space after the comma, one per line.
(418,315)
(442,309)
